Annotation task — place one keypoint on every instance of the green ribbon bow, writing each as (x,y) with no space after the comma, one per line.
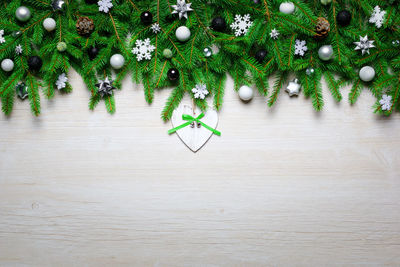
(191,119)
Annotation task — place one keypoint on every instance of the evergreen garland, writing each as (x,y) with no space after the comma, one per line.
(117,32)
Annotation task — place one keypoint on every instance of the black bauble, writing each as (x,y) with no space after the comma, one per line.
(218,24)
(260,55)
(35,63)
(343,18)
(93,52)
(146,18)
(91,1)
(173,74)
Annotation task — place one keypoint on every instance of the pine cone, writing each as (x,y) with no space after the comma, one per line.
(322,29)
(85,26)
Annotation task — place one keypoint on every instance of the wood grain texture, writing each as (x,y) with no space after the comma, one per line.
(282,187)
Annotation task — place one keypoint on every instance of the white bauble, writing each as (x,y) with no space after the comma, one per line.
(367,73)
(7,65)
(49,24)
(286,7)
(117,61)
(182,33)
(246,93)
(23,13)
(325,52)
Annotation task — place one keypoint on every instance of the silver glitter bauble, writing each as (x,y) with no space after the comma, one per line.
(325,52)
(310,71)
(207,52)
(167,53)
(61,46)
(23,13)
(57,4)
(326,2)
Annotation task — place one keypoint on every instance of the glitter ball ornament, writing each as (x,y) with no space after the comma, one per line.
(49,24)
(367,73)
(23,13)
(343,18)
(61,46)
(173,74)
(183,33)
(207,52)
(7,65)
(325,52)
(167,53)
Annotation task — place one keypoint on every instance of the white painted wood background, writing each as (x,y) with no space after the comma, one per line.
(282,187)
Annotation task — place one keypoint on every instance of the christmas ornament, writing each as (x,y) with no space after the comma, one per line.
(173,74)
(61,82)
(61,46)
(260,55)
(93,52)
(325,52)
(18,49)
(117,61)
(84,26)
(218,24)
(146,18)
(183,33)
(105,87)
(35,63)
(386,102)
(241,25)
(7,65)
(343,18)
(300,47)
(246,93)
(364,44)
(49,24)
(16,33)
(182,8)
(367,73)
(105,5)
(194,137)
(293,88)
(22,90)
(91,1)
(2,39)
(57,4)
(167,53)
(200,91)
(395,43)
(377,17)
(156,28)
(274,34)
(322,28)
(207,52)
(286,7)
(326,2)
(310,71)
(23,13)
(143,49)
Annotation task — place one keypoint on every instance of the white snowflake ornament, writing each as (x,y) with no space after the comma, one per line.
(274,34)
(300,47)
(105,5)
(2,39)
(182,8)
(377,17)
(18,49)
(241,25)
(143,49)
(156,28)
(386,102)
(200,91)
(364,44)
(62,81)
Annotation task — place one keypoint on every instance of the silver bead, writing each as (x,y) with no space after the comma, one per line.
(325,52)
(207,52)
(23,13)
(310,71)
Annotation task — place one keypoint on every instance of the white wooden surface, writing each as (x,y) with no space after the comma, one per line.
(282,187)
